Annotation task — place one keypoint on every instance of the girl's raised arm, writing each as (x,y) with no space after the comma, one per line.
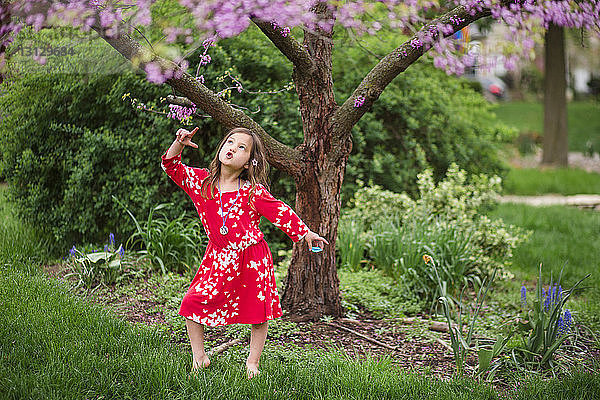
(187,178)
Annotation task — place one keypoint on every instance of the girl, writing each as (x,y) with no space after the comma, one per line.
(235,282)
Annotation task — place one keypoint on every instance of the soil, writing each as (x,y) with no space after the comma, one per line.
(415,347)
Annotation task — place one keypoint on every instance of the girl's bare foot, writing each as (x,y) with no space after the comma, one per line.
(252,370)
(200,362)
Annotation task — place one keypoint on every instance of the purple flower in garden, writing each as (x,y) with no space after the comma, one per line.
(523,295)
(72,251)
(121,251)
(106,248)
(285,31)
(111,239)
(548,299)
(359,101)
(567,320)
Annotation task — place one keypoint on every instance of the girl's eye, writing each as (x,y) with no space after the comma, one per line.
(243,147)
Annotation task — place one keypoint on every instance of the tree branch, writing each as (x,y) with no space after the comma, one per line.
(288,46)
(278,154)
(391,66)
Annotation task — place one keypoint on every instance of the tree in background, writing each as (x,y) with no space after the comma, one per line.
(555,146)
(317,165)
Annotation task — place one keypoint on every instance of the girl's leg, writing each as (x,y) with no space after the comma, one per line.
(258,335)
(196,334)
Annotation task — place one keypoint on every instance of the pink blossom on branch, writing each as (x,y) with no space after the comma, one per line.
(227,18)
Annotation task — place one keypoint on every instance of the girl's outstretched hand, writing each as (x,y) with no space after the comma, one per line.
(315,240)
(185,137)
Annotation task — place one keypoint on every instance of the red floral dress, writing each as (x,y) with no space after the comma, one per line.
(235,282)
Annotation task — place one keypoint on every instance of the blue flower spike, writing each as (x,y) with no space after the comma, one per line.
(567,320)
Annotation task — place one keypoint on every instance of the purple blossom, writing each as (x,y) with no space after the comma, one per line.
(563,324)
(285,31)
(121,251)
(154,74)
(548,300)
(567,320)
(523,295)
(359,101)
(205,59)
(416,43)
(208,43)
(180,112)
(72,251)
(111,239)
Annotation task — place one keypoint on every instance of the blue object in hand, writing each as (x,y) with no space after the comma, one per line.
(316,249)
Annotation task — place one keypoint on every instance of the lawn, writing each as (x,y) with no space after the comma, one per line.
(583,120)
(565,181)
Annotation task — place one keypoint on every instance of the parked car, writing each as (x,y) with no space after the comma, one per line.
(493,88)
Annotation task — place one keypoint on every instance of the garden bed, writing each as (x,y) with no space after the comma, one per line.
(415,346)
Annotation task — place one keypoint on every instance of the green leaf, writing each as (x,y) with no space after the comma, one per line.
(485,358)
(95,257)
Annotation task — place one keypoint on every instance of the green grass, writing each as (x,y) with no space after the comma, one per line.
(565,181)
(583,120)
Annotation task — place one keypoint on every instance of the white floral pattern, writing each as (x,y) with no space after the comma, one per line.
(235,282)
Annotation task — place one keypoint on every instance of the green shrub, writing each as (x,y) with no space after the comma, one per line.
(73,144)
(376,292)
(446,222)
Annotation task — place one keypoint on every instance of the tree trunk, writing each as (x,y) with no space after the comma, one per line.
(555,147)
(312,284)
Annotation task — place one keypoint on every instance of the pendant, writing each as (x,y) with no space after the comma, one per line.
(223,230)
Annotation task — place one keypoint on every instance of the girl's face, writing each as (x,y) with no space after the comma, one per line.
(236,150)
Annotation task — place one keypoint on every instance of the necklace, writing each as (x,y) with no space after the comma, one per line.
(224,216)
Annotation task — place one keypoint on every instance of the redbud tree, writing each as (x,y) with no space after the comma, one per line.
(303,30)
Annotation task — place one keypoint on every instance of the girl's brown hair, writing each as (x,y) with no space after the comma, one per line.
(255,174)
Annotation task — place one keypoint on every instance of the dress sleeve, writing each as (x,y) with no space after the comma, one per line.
(187,178)
(280,214)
